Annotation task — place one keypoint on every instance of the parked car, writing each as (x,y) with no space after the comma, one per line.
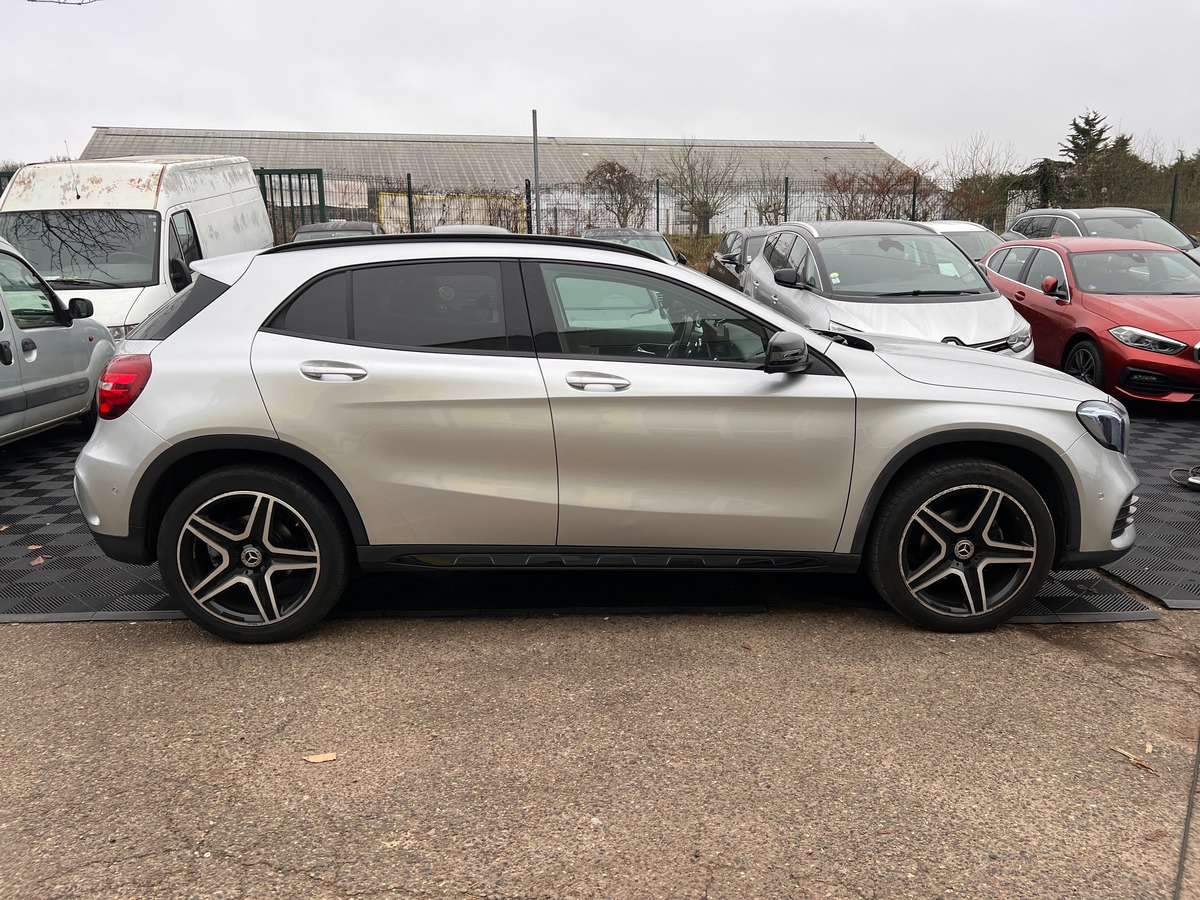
(885,277)
(51,354)
(122,232)
(1119,314)
(335,228)
(468,229)
(642,238)
(972,238)
(734,254)
(1102,221)
(457,402)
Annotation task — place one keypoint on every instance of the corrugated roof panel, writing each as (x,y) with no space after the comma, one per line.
(464,162)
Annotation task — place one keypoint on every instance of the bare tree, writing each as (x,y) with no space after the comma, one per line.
(703,182)
(980,176)
(882,192)
(766,192)
(622,192)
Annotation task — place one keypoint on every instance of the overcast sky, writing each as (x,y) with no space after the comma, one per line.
(916,77)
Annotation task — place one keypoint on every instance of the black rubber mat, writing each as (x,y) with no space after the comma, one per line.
(1165,561)
(52,570)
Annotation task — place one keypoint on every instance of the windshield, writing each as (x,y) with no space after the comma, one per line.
(872,265)
(651,243)
(1136,272)
(101,248)
(975,243)
(1141,228)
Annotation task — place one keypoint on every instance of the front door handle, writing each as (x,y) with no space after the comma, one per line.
(6,357)
(596,382)
(28,345)
(327,370)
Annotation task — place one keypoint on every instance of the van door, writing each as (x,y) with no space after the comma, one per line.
(52,356)
(12,394)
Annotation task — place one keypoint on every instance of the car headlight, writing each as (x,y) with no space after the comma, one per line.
(1146,340)
(119,332)
(1020,338)
(1106,421)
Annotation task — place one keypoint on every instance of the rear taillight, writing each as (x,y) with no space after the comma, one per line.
(121,382)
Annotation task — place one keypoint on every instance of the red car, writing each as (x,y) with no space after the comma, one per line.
(1119,314)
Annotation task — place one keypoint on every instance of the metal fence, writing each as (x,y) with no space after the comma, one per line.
(402,206)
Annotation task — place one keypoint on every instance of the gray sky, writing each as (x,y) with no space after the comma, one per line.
(917,77)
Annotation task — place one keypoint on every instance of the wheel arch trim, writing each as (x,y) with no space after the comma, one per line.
(176,454)
(976,441)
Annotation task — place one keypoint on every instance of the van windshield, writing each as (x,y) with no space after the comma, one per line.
(100,248)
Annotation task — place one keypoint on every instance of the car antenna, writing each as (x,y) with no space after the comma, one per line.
(74,177)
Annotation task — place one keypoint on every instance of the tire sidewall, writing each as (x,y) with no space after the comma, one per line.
(883,553)
(317,512)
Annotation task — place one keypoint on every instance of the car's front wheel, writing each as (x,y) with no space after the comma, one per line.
(1085,362)
(961,545)
(253,553)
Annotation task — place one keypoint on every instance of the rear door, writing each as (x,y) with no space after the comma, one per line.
(52,355)
(417,384)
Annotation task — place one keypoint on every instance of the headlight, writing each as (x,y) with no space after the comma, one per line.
(1020,338)
(1146,340)
(119,332)
(1107,422)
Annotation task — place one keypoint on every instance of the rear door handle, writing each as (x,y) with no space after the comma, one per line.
(596,382)
(327,370)
(1019,295)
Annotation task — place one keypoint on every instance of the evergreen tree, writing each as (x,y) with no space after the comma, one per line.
(1088,136)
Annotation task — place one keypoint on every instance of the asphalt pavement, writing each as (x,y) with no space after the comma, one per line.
(805,750)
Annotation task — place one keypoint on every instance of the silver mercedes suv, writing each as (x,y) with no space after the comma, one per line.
(308,412)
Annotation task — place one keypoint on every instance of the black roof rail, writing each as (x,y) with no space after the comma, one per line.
(450,238)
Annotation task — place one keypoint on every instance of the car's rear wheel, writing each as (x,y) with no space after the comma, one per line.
(1085,362)
(961,545)
(253,554)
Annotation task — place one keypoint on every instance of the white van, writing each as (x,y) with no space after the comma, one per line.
(123,232)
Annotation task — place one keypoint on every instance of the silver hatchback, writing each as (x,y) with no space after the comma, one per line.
(464,401)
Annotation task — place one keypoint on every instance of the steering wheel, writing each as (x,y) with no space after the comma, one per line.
(679,340)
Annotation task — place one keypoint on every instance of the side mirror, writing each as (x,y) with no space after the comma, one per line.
(179,275)
(730,259)
(682,259)
(80,308)
(787,352)
(1051,287)
(787,278)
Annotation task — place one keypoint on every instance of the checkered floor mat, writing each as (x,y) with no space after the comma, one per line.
(1165,561)
(52,570)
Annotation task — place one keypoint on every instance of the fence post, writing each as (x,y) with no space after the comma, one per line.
(528,207)
(913,217)
(657,197)
(1174,196)
(786,198)
(412,219)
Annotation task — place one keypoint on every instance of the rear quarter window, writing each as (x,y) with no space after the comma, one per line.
(179,310)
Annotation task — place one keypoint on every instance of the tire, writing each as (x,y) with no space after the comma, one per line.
(1085,362)
(961,545)
(253,554)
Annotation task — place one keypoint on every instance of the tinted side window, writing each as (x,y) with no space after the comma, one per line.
(322,310)
(1039,227)
(995,262)
(1065,227)
(449,305)
(1012,265)
(1045,262)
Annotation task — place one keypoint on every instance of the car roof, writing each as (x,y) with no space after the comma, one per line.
(847,227)
(1088,244)
(944,225)
(1085,212)
(622,232)
(336,225)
